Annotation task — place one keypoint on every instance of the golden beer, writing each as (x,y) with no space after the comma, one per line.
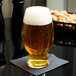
(37,40)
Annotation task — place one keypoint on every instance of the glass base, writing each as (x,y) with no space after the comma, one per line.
(37,61)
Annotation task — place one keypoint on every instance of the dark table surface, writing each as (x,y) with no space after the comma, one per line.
(60,48)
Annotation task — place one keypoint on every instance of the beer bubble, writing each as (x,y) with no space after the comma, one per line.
(37,15)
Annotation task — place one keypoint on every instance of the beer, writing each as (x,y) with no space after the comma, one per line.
(37,36)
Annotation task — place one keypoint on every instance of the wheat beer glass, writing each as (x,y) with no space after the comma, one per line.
(37,35)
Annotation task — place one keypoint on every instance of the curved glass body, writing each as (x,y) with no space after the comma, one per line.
(37,41)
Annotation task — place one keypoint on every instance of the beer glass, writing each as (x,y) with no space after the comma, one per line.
(37,35)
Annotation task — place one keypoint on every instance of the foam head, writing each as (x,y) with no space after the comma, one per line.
(37,15)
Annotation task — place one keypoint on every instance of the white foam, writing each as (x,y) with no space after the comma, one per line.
(37,15)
